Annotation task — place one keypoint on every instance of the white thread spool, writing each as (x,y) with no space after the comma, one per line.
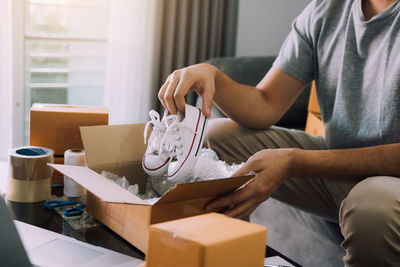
(76,157)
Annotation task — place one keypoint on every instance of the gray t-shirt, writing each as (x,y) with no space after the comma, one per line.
(356,66)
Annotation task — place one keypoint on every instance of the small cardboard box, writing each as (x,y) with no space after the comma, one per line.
(57,126)
(210,240)
(119,149)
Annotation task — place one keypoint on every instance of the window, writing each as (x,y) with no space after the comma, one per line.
(65,44)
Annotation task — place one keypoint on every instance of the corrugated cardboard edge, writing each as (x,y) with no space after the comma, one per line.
(197,190)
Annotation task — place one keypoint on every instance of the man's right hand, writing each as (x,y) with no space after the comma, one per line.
(253,107)
(200,78)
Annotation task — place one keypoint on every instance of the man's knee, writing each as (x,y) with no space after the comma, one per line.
(215,132)
(222,130)
(227,139)
(370,222)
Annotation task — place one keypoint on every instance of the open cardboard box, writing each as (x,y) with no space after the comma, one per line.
(119,149)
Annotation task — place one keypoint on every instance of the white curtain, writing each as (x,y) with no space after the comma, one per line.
(132,54)
(149,39)
(6,124)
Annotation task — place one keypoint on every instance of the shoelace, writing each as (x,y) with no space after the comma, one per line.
(159,129)
(171,143)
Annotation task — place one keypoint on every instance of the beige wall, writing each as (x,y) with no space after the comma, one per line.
(264,24)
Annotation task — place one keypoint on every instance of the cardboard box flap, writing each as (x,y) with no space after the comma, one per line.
(203,189)
(99,185)
(113,144)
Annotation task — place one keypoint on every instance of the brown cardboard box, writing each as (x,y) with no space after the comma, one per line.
(119,149)
(57,127)
(57,177)
(210,240)
(313,105)
(314,124)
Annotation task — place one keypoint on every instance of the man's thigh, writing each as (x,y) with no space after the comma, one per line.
(235,144)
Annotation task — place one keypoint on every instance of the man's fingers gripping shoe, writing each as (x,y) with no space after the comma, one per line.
(154,162)
(183,140)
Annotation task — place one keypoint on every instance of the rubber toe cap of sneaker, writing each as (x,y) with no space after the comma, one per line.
(154,166)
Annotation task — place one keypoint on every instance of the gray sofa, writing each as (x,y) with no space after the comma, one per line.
(303,237)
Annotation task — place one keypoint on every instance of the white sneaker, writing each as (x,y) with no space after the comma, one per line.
(182,141)
(154,162)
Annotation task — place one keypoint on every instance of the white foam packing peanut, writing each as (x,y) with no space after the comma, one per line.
(208,167)
(150,195)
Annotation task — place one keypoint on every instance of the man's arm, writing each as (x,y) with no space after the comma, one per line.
(254,107)
(274,166)
(344,164)
(260,106)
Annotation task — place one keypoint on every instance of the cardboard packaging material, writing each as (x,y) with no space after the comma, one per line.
(57,127)
(57,177)
(210,240)
(119,149)
(313,105)
(314,124)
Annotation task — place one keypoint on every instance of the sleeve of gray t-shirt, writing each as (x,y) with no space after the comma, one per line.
(296,56)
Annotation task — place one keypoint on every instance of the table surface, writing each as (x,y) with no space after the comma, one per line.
(104,237)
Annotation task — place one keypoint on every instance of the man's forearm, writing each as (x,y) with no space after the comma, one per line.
(260,106)
(348,164)
(242,103)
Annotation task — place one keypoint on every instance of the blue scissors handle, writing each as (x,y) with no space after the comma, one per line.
(75,211)
(51,204)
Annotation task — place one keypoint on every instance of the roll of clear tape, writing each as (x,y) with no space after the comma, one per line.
(28,191)
(76,157)
(29,175)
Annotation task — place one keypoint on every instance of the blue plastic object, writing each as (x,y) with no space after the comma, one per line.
(74,211)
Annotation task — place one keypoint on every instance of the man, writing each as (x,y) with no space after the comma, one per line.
(350,48)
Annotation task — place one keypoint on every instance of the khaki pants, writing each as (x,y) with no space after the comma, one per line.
(368,211)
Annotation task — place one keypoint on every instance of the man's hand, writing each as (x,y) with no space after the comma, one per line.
(253,107)
(272,168)
(200,78)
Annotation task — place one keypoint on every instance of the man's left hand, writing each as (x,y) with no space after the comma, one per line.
(271,167)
